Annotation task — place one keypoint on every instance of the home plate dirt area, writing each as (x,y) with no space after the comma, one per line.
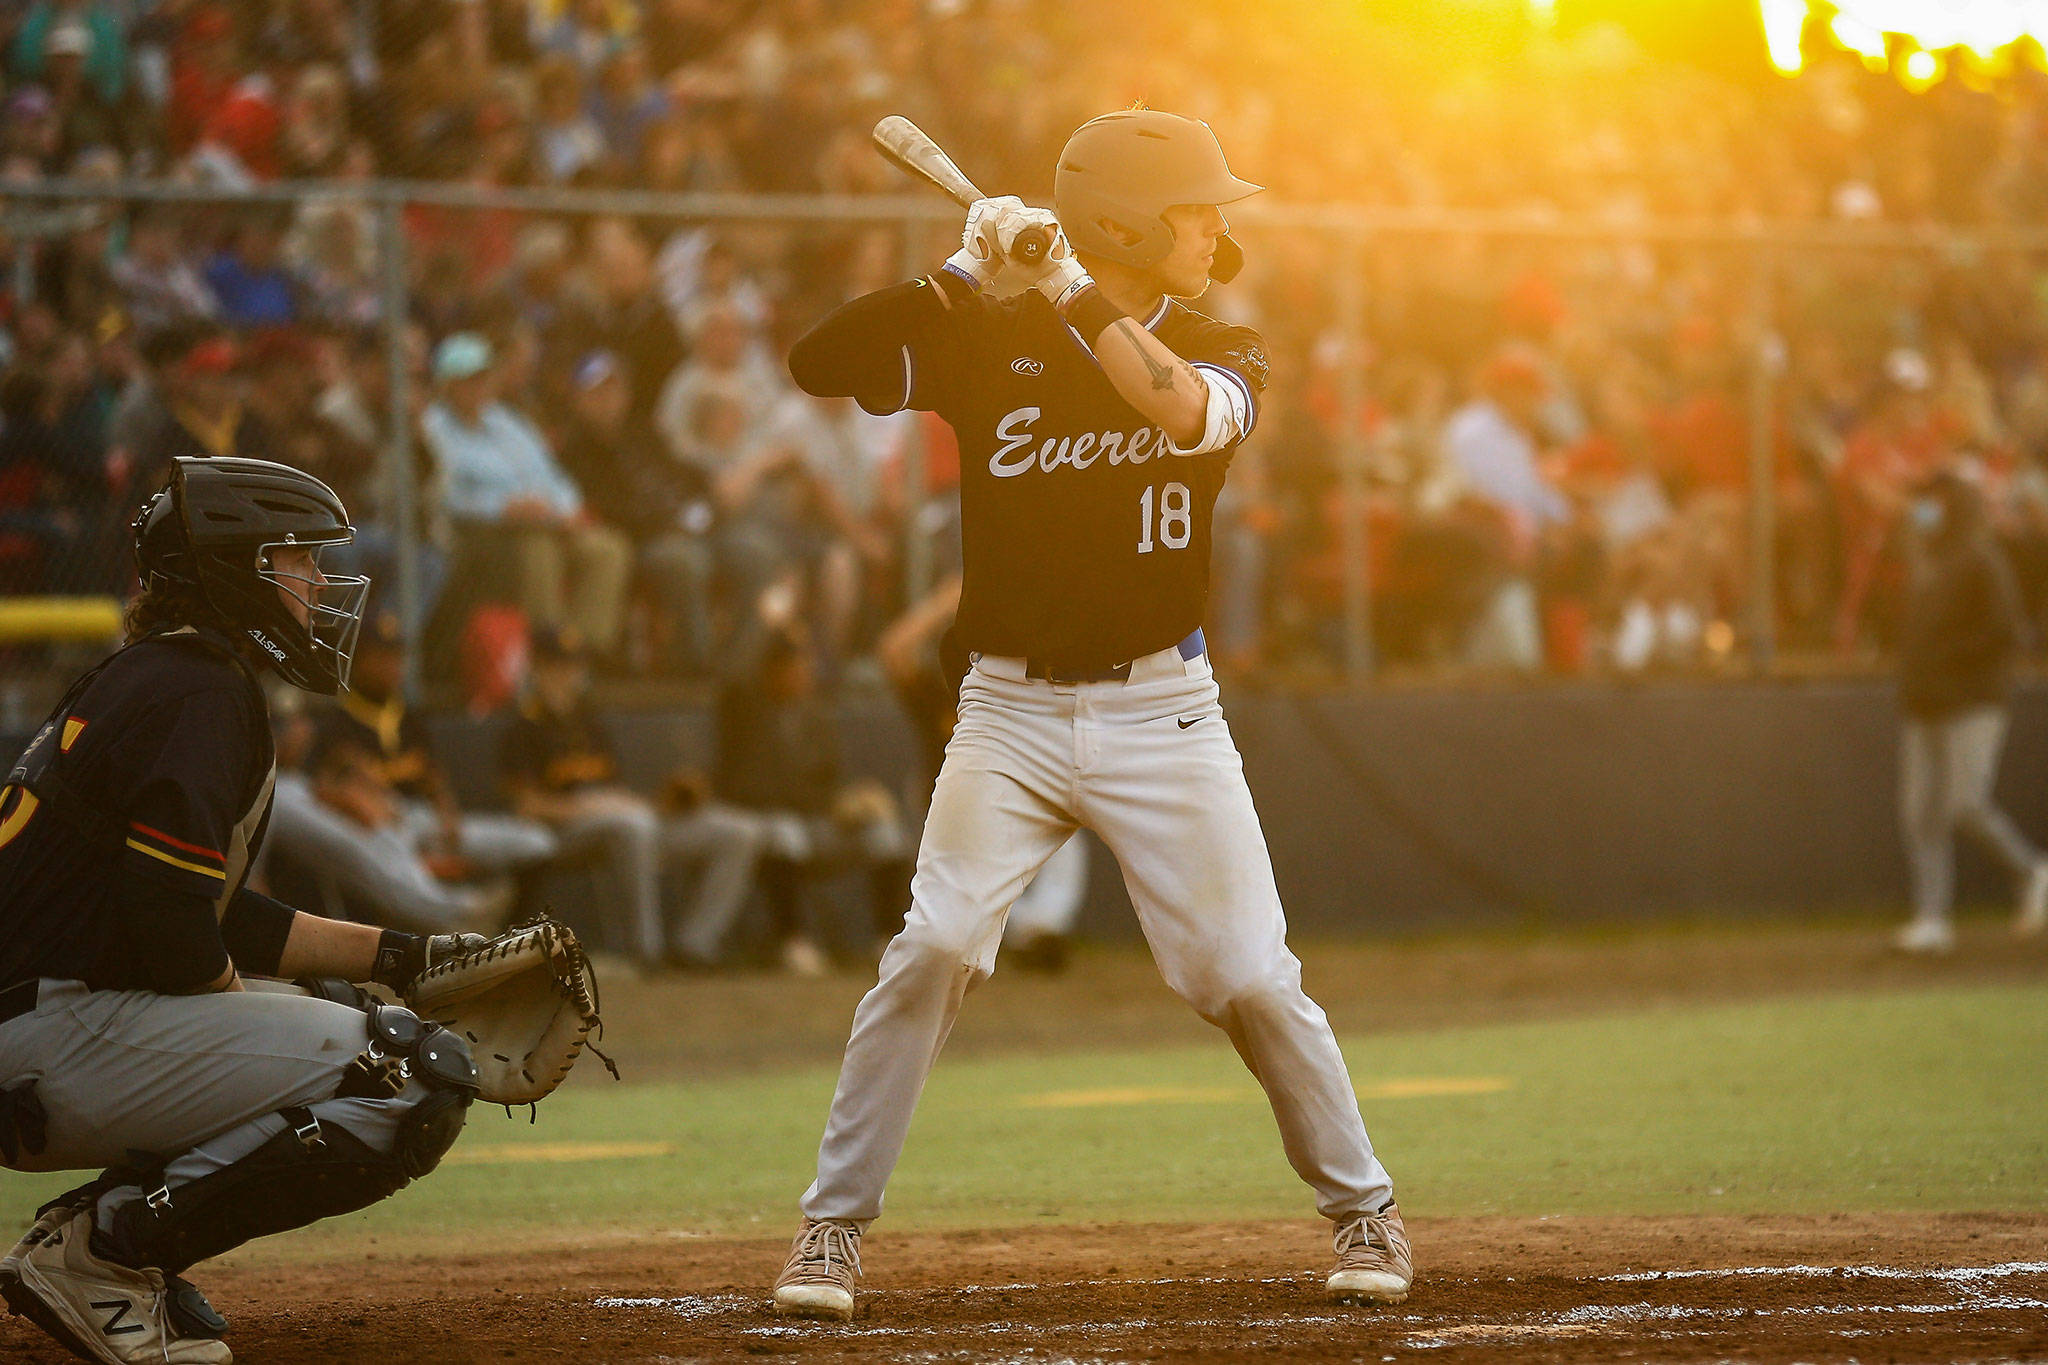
(1838,1288)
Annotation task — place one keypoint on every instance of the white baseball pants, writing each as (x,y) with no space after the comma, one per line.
(1149,765)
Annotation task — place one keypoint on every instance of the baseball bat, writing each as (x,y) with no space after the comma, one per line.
(909,148)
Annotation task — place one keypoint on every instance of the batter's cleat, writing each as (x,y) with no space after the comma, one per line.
(2033,912)
(1926,937)
(105,1312)
(818,1280)
(1373,1264)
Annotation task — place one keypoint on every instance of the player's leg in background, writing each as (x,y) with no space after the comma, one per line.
(379,867)
(1172,804)
(539,575)
(727,844)
(1924,822)
(1976,740)
(492,842)
(597,565)
(1044,916)
(997,813)
(628,829)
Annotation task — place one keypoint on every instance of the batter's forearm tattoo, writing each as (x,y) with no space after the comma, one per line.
(1162,375)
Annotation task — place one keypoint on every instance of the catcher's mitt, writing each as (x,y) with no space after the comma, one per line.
(527,1003)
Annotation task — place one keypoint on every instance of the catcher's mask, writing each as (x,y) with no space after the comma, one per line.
(216,527)
(1126,169)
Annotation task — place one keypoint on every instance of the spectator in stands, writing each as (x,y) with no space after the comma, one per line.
(778,758)
(252,284)
(622,311)
(160,284)
(205,67)
(585,32)
(567,141)
(1960,630)
(204,411)
(340,824)
(624,103)
(509,500)
(314,135)
(1492,443)
(364,812)
(46,531)
(284,369)
(830,505)
(727,366)
(87,115)
(90,33)
(33,141)
(374,716)
(332,251)
(1904,438)
(614,455)
(559,768)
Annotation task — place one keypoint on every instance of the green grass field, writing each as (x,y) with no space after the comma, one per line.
(1925,1098)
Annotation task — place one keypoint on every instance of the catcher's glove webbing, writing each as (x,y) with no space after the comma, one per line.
(527,1003)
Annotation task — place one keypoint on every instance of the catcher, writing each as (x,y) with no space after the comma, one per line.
(222,1108)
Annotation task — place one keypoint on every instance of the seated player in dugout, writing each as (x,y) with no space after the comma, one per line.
(1096,416)
(134,1033)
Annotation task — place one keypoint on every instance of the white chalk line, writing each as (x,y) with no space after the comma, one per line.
(1588,1319)
(1955,1275)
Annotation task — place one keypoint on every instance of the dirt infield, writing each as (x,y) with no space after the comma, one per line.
(1953,1287)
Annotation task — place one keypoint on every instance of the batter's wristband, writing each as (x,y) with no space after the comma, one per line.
(1088,312)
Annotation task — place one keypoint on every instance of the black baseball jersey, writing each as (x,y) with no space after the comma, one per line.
(158,765)
(556,754)
(1085,538)
(389,732)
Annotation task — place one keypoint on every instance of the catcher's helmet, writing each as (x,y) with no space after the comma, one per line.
(1129,168)
(212,529)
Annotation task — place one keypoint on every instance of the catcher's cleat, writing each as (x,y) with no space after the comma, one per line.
(105,1312)
(824,1262)
(1373,1263)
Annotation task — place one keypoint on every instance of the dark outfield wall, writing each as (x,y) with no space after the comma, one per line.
(1401,811)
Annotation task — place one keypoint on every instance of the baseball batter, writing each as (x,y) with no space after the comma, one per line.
(127,1038)
(1096,416)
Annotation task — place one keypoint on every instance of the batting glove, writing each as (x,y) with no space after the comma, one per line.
(1057,275)
(981,255)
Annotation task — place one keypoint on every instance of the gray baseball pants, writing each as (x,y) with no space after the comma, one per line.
(638,841)
(197,1079)
(1946,770)
(383,867)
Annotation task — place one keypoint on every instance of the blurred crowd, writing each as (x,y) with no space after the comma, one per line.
(1561,441)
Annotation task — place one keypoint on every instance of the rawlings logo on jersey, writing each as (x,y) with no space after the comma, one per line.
(1016,456)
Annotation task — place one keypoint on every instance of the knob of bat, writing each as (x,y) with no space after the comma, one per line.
(1030,245)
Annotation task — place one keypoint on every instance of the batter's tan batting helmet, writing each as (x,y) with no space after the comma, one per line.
(1128,168)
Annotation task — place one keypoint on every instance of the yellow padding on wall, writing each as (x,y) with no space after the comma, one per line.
(59,618)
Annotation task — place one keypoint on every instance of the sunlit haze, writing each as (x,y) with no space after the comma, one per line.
(1879,29)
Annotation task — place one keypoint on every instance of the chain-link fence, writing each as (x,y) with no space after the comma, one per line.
(1491,444)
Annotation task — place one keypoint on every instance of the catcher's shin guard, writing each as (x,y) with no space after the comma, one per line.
(302,1164)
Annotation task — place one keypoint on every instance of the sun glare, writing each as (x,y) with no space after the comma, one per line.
(1879,30)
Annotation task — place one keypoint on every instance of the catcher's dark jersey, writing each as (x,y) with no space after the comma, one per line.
(1085,538)
(158,766)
